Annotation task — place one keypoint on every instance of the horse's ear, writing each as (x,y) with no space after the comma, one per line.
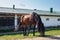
(34,13)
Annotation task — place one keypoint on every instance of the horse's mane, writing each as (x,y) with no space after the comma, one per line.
(34,13)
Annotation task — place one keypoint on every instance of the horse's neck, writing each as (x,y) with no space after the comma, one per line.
(39,19)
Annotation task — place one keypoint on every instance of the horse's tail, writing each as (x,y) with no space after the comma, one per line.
(21,18)
(16,28)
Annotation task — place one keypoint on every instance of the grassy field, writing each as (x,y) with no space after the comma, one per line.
(50,32)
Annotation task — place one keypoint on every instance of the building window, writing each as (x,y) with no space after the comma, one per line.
(47,19)
(6,21)
(58,19)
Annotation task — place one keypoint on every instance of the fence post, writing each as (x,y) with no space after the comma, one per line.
(16,22)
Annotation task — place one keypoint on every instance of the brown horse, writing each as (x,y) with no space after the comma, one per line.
(32,19)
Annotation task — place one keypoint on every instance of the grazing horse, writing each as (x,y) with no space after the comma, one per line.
(32,19)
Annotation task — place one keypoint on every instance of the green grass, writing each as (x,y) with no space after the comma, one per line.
(51,32)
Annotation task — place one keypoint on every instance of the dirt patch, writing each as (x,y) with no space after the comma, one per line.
(44,38)
(36,38)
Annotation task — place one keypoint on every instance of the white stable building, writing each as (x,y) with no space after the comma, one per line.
(9,16)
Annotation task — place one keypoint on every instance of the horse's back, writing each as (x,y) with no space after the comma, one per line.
(25,19)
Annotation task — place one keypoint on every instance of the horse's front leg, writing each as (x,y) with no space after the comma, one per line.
(34,30)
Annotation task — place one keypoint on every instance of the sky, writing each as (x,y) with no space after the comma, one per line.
(32,4)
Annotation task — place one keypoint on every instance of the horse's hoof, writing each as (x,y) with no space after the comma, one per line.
(25,35)
(42,35)
(33,35)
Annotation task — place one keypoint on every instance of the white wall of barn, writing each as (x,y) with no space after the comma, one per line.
(53,21)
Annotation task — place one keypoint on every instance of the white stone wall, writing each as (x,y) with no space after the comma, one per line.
(53,21)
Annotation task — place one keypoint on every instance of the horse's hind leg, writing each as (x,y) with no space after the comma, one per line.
(24,31)
(28,30)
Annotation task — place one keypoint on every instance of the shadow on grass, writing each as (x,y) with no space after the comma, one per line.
(52,28)
(11,34)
